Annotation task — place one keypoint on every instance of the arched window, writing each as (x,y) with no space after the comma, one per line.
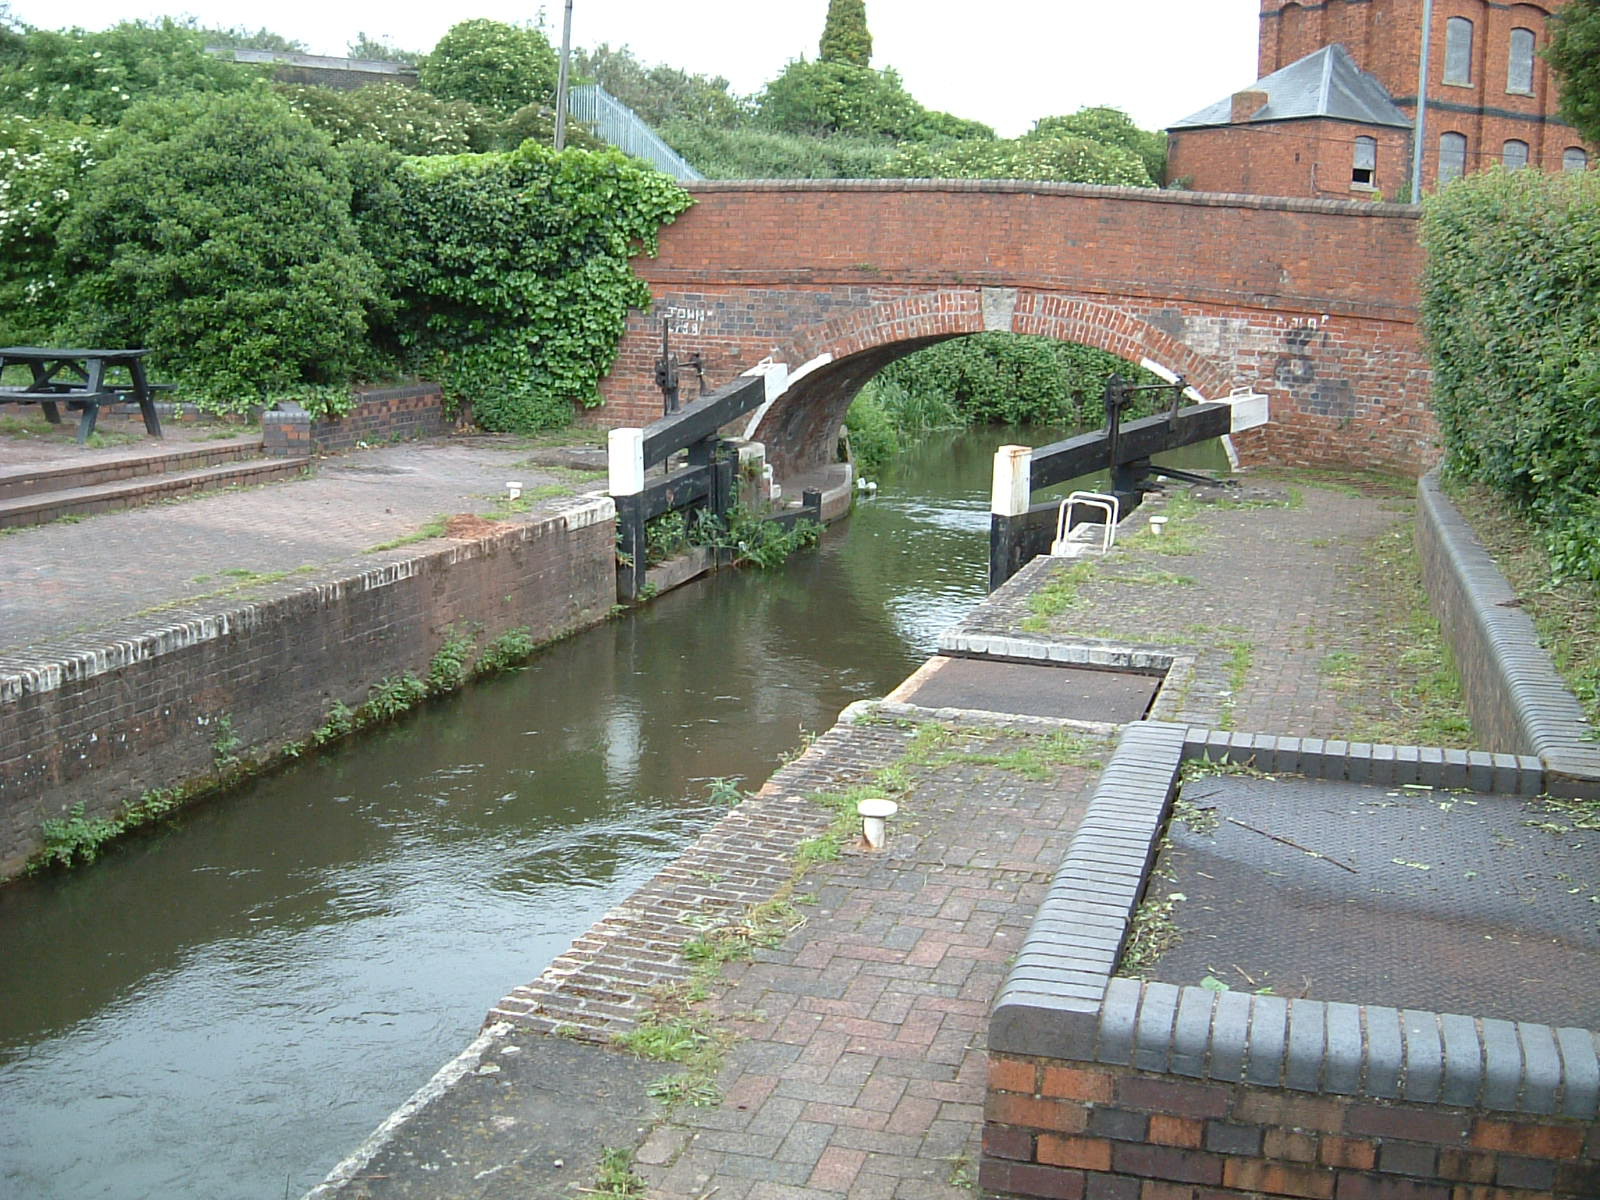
(1364,169)
(1519,70)
(1452,156)
(1574,158)
(1514,155)
(1458,50)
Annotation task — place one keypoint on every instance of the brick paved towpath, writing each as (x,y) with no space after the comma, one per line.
(857,1065)
(64,577)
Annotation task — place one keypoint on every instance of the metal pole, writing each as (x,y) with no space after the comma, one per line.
(1419,138)
(561,80)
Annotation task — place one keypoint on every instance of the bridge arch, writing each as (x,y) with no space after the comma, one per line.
(801,427)
(1313,301)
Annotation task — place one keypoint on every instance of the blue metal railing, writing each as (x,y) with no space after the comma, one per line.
(612,121)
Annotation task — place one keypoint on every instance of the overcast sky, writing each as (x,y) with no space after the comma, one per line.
(1004,62)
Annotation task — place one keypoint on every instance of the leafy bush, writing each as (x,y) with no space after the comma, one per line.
(1574,54)
(1061,159)
(405,119)
(94,77)
(218,230)
(747,153)
(42,164)
(1511,308)
(1109,127)
(1008,379)
(496,66)
(822,98)
(513,271)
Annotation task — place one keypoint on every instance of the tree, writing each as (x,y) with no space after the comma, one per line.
(659,94)
(378,50)
(217,230)
(845,37)
(493,65)
(1574,55)
(240,38)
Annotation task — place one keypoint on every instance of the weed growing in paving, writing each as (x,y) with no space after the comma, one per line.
(433,529)
(1400,676)
(615,1176)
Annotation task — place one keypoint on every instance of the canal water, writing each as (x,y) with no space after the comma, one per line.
(229,1004)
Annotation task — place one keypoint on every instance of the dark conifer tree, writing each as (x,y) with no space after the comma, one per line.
(845,37)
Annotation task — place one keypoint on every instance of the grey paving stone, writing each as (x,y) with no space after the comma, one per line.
(1191,1035)
(1463,1060)
(1269,1040)
(1230,1030)
(1118,1022)
(1541,1069)
(1343,1054)
(1424,1078)
(1153,1039)
(1502,1065)
(1385,1058)
(1580,1066)
(1308,1033)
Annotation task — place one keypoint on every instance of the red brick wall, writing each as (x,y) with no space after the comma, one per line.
(1075,1132)
(1384,38)
(1288,158)
(1313,301)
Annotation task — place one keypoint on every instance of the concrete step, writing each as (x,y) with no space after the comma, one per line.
(41,507)
(60,477)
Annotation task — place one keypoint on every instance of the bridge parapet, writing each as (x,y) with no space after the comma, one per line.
(1311,301)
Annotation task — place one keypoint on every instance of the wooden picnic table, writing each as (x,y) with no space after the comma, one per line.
(77,378)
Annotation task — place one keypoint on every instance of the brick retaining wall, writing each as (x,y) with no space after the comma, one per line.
(1517,701)
(385,415)
(1109,1088)
(1104,1133)
(99,719)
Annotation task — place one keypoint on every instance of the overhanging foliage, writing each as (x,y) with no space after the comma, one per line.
(1511,307)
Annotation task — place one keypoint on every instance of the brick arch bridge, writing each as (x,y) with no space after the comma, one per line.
(1312,301)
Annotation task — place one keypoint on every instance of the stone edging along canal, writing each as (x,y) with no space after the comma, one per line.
(177,696)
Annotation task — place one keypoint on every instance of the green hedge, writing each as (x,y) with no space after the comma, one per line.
(513,273)
(1511,308)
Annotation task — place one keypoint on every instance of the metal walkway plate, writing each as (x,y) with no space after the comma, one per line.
(1025,689)
(1450,902)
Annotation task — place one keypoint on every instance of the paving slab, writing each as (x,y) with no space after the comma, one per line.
(68,577)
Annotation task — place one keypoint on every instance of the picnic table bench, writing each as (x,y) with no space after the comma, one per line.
(77,378)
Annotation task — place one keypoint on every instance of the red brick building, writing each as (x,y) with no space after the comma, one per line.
(1334,112)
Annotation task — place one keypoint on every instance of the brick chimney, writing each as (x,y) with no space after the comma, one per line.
(1247,104)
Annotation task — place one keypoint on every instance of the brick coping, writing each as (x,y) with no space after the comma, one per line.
(1546,719)
(1061,1000)
(46,666)
(1353,208)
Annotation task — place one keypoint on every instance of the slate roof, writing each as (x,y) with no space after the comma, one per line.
(1326,83)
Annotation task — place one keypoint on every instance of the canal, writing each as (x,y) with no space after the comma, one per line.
(229,1004)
